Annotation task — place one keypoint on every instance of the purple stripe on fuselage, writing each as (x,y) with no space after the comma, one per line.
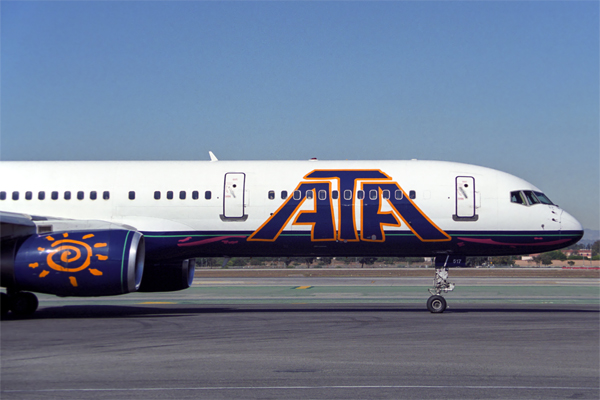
(206,241)
(492,241)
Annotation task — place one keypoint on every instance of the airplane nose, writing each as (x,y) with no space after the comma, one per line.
(568,223)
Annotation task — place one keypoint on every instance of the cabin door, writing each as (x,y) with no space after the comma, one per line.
(465,197)
(233,195)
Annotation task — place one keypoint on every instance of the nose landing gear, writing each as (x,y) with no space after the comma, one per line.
(436,303)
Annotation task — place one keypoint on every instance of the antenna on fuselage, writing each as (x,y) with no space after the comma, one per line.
(212,156)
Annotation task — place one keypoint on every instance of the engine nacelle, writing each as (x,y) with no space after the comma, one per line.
(168,277)
(80,263)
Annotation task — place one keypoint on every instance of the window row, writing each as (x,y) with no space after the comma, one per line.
(322,194)
(182,195)
(93,195)
(56,195)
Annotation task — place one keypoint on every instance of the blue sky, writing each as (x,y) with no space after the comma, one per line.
(508,85)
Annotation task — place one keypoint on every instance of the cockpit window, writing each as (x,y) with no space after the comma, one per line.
(543,198)
(517,197)
(529,198)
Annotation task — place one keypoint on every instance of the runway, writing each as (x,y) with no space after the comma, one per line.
(305,338)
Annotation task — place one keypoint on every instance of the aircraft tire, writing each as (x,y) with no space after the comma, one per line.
(24,303)
(4,303)
(436,304)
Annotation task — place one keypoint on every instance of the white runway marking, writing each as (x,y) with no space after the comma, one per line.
(302,388)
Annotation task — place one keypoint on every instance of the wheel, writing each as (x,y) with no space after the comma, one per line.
(436,304)
(4,303)
(24,303)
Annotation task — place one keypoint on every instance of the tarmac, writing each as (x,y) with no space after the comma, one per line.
(312,338)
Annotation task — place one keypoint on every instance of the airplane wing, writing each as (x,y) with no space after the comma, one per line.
(13,225)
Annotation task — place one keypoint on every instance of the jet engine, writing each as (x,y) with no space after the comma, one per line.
(77,263)
(168,277)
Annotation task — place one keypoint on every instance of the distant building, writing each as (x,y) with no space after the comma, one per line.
(587,253)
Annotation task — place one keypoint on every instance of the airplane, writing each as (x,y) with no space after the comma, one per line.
(100,228)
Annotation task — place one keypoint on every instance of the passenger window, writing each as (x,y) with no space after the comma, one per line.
(106,195)
(67,195)
(373,194)
(54,195)
(284,194)
(195,195)
(360,195)
(297,195)
(28,195)
(2,195)
(170,195)
(157,195)
(385,194)
(132,195)
(182,195)
(347,194)
(207,195)
(309,194)
(41,195)
(271,195)
(93,195)
(398,194)
(15,195)
(80,195)
(335,195)
(322,195)
(412,195)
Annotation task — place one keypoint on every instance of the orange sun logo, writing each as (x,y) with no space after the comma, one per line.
(68,255)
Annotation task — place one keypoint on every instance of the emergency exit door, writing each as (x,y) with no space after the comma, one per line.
(233,195)
(465,198)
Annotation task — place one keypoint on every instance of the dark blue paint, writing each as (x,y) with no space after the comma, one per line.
(45,278)
(164,246)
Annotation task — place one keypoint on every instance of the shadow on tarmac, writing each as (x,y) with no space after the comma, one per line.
(118,311)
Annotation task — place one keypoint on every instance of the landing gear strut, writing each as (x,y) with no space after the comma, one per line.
(20,303)
(436,303)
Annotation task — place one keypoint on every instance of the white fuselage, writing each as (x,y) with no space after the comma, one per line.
(241,196)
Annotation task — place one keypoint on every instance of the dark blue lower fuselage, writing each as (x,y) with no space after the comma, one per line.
(182,245)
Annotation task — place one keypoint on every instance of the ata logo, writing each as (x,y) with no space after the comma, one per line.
(71,256)
(337,196)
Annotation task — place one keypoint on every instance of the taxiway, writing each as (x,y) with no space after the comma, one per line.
(318,339)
